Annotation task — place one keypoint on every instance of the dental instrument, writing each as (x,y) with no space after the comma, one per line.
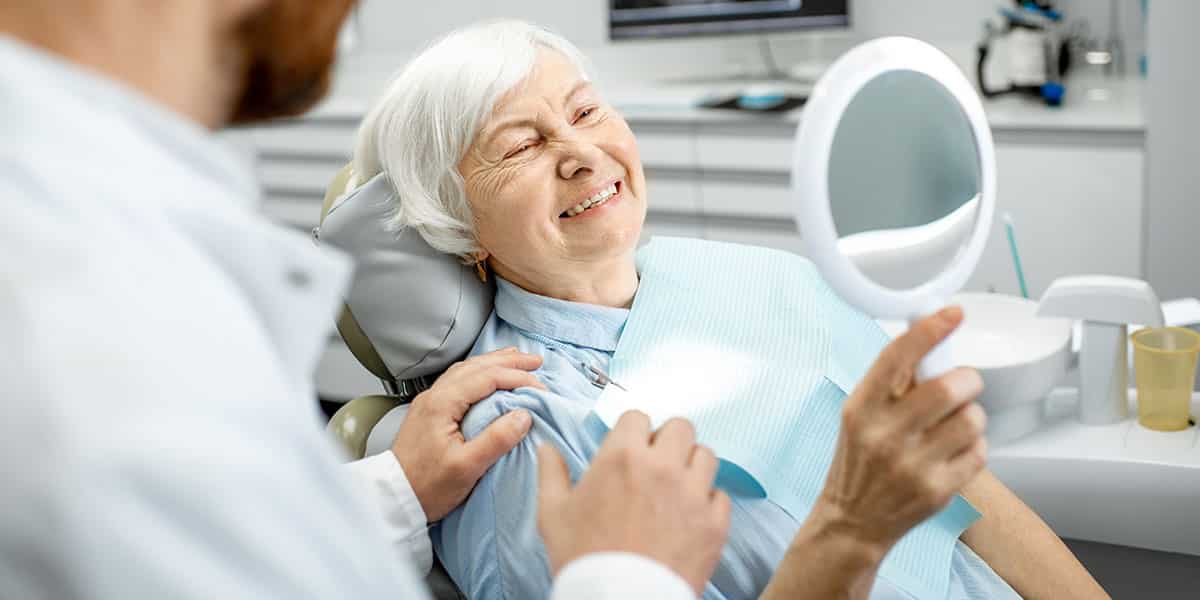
(1016,256)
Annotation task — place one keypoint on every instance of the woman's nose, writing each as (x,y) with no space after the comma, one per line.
(579,158)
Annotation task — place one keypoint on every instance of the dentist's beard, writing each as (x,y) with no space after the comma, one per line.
(290,49)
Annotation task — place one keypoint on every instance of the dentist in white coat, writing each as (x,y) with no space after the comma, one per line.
(159,436)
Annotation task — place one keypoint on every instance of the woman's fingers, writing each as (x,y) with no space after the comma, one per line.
(905,449)
(954,434)
(891,376)
(931,402)
(964,467)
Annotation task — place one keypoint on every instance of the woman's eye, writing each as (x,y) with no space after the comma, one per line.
(519,149)
(585,113)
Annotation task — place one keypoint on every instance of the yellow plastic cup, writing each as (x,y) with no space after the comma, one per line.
(1164,365)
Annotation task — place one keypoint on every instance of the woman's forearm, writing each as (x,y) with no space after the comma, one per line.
(825,562)
(1021,548)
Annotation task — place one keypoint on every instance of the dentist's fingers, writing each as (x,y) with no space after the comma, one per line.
(931,402)
(482,451)
(722,511)
(703,466)
(554,482)
(442,467)
(892,375)
(632,499)
(632,430)
(471,386)
(508,358)
(675,439)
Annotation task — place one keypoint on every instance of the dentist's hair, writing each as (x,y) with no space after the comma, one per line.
(422,126)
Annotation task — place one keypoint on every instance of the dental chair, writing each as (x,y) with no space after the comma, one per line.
(411,312)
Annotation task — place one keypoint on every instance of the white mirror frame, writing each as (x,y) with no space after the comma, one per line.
(810,175)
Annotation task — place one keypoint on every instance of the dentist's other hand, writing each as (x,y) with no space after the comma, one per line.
(649,493)
(440,464)
(905,448)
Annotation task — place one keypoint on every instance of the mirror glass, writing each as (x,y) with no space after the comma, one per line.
(904,179)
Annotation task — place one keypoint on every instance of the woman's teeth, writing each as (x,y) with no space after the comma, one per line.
(592,202)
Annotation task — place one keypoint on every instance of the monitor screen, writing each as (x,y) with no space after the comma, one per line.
(667,18)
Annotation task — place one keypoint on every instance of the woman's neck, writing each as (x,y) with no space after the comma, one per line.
(611,283)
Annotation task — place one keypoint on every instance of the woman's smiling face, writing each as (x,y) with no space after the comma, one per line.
(554,179)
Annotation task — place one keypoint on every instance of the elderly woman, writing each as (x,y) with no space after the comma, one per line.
(504,153)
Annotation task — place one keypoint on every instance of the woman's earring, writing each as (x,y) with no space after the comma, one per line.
(480,271)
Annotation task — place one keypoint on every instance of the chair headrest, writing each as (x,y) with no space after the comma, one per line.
(411,311)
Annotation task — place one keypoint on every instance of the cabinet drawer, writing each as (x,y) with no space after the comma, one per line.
(754,151)
(666,146)
(297,176)
(767,196)
(672,192)
(333,141)
(672,226)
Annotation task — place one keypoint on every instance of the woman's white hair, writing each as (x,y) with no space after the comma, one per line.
(429,115)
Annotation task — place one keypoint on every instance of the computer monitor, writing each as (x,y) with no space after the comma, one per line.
(629,19)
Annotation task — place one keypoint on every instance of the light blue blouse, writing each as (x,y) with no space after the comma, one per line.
(490,545)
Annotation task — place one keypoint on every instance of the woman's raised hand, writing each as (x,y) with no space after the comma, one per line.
(905,448)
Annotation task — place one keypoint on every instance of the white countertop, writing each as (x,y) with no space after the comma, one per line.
(1089,105)
(1106,105)
(1117,484)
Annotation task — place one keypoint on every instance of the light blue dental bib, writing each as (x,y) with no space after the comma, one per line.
(756,350)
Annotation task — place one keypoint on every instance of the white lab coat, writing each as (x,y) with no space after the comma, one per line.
(159,436)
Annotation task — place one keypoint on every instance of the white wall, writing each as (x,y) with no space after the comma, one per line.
(1172,128)
(391,30)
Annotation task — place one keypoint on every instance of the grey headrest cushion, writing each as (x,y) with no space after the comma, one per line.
(421,309)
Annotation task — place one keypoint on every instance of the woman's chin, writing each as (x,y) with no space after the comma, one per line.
(610,243)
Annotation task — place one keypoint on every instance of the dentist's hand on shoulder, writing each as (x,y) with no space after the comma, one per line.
(647,492)
(441,466)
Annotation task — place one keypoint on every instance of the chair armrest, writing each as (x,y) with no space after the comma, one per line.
(353,422)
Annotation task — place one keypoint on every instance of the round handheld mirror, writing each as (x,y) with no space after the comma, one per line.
(894,173)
